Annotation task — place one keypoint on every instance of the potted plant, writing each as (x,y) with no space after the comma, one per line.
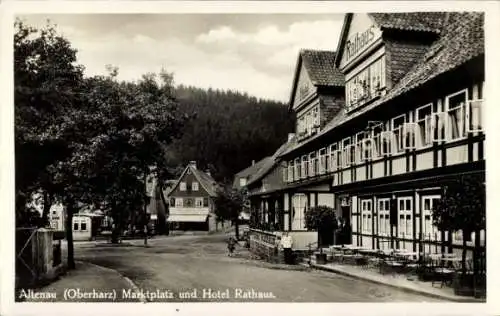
(319,217)
(462,207)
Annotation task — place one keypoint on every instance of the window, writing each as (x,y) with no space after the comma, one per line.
(195,186)
(322,161)
(183,186)
(366,216)
(205,202)
(83,226)
(285,172)
(347,152)
(424,121)
(189,202)
(172,201)
(290,171)
(474,116)
(439,126)
(179,202)
(456,114)
(243,182)
(405,213)
(308,122)
(410,135)
(305,167)
(367,149)
(75,226)
(375,141)
(386,142)
(298,169)
(333,157)
(199,202)
(384,223)
(430,231)
(397,130)
(313,164)
(366,85)
(359,147)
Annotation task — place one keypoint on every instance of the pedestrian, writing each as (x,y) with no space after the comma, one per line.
(287,243)
(231,243)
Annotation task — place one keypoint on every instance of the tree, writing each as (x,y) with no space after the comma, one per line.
(228,205)
(321,217)
(462,207)
(46,79)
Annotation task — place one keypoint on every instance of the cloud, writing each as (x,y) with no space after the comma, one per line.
(259,60)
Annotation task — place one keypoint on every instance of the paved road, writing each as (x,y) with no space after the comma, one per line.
(199,267)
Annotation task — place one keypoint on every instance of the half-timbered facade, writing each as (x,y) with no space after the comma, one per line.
(191,205)
(411,121)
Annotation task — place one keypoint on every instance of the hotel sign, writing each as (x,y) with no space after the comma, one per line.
(359,42)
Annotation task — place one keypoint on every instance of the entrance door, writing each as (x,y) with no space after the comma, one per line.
(346,231)
(299,205)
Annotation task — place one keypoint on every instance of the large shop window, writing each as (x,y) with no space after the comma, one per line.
(384,224)
(429,231)
(456,114)
(366,216)
(405,215)
(366,85)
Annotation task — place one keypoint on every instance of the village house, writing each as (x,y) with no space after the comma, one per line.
(191,201)
(408,120)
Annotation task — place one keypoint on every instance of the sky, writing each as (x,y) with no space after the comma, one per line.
(254,53)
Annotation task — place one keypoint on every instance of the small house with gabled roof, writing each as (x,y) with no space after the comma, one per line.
(191,200)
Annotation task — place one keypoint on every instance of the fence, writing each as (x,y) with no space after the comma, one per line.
(38,256)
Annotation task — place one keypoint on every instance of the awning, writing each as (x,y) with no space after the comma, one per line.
(187,218)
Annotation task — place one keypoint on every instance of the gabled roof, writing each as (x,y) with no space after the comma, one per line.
(431,22)
(205,180)
(270,163)
(249,172)
(320,67)
(462,39)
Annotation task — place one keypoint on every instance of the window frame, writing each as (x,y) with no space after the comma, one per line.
(386,213)
(312,164)
(461,108)
(200,200)
(410,127)
(428,212)
(333,157)
(397,132)
(405,213)
(183,186)
(193,186)
(469,117)
(179,202)
(386,138)
(424,122)
(322,161)
(366,216)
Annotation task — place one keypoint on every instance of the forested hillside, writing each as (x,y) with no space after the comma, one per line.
(228,130)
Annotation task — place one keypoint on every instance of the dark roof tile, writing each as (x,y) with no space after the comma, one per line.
(320,65)
(410,21)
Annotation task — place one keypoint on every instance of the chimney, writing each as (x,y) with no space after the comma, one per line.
(192,163)
(290,136)
(253,162)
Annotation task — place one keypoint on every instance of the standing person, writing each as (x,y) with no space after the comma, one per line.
(287,243)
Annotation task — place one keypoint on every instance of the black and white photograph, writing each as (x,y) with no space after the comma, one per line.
(248,157)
